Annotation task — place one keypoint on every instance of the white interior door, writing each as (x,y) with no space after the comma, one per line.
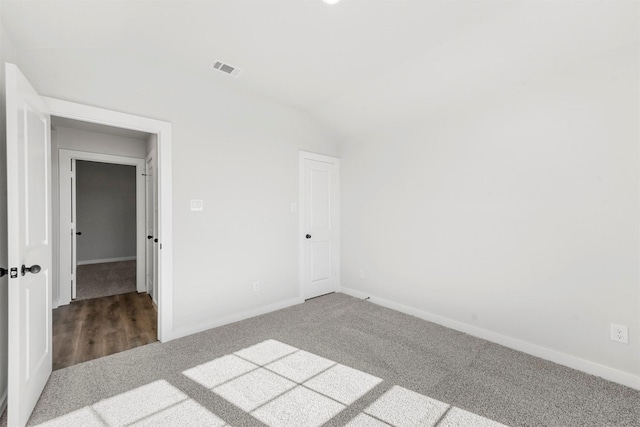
(320,229)
(150,227)
(156,230)
(74,231)
(29,235)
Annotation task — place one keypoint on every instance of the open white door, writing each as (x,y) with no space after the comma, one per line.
(29,235)
(74,231)
(320,224)
(156,228)
(150,227)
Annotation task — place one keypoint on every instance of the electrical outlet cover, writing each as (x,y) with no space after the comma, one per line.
(620,333)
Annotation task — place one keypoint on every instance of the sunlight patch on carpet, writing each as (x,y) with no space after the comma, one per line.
(282,386)
(154,404)
(278,385)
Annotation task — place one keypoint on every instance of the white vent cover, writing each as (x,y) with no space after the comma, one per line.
(226,68)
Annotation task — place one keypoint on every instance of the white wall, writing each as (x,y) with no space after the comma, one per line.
(82,140)
(105,211)
(514,216)
(7,54)
(236,152)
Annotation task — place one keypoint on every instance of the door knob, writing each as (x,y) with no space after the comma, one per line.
(308,236)
(149,237)
(155,240)
(78,233)
(34,269)
(3,272)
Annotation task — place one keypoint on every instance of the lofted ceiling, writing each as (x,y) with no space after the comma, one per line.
(349,65)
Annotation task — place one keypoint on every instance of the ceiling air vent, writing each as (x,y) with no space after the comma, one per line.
(227,69)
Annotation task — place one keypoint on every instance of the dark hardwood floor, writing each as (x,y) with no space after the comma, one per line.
(89,329)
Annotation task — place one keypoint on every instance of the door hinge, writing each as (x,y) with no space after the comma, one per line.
(14,272)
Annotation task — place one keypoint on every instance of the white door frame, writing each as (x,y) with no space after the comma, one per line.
(305,155)
(72,110)
(67,241)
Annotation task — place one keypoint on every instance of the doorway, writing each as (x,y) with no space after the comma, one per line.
(161,133)
(105,204)
(120,239)
(319,234)
(103,305)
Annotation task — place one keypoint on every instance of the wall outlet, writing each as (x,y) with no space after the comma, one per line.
(361,274)
(256,286)
(619,333)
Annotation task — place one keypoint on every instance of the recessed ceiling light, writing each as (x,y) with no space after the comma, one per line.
(331,2)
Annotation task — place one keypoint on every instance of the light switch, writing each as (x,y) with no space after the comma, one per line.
(197,205)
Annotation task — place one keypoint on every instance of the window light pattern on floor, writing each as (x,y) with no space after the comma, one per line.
(277,384)
(154,404)
(283,386)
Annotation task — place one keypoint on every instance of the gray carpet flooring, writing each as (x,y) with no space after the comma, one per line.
(105,279)
(398,365)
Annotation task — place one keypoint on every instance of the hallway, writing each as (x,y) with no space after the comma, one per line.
(93,328)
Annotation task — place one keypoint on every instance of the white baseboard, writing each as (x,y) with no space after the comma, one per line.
(105,260)
(573,362)
(183,332)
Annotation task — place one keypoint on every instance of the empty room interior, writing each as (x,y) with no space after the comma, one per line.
(320,213)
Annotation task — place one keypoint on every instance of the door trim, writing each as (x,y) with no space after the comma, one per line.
(72,110)
(305,155)
(65,245)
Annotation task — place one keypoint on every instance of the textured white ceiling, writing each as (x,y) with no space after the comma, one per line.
(349,65)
